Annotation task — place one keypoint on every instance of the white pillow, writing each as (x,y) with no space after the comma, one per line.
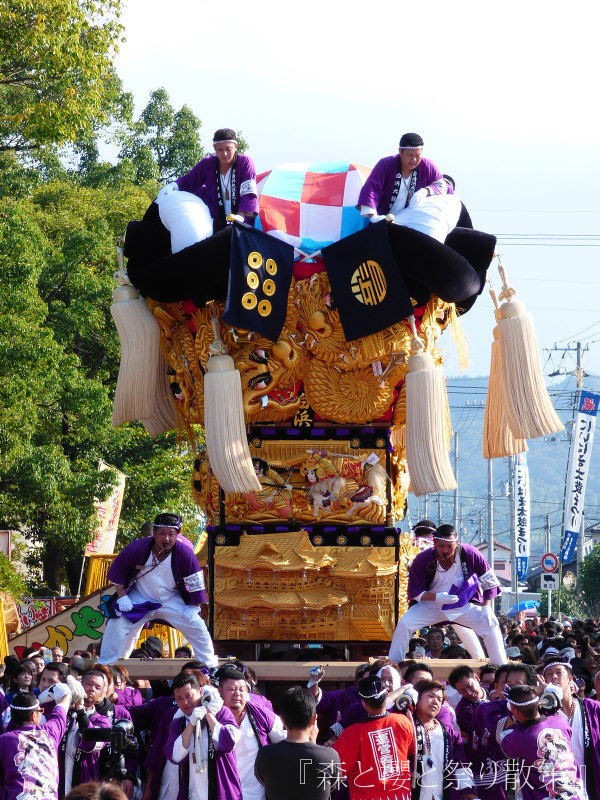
(186,217)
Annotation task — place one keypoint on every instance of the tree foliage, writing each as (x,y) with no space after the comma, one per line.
(58,364)
(56,71)
(163,143)
(589,581)
(59,223)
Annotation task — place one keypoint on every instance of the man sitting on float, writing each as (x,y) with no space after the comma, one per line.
(450,582)
(412,190)
(221,186)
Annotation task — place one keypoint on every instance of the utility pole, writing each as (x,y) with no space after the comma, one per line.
(548,535)
(425,505)
(439,507)
(455,511)
(490,513)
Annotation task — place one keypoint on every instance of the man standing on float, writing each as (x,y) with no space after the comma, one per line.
(157,577)
(450,582)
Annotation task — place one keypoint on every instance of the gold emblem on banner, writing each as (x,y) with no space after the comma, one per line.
(368,283)
(255,260)
(269,287)
(264,308)
(271,266)
(252,280)
(249,301)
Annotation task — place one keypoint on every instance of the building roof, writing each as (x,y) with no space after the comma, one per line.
(483,545)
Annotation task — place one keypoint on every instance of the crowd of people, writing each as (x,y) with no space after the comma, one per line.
(525,724)
(77,729)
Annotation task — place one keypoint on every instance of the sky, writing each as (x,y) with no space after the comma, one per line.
(504,94)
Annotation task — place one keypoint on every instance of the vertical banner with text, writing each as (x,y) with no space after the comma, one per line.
(582,438)
(108,514)
(522,516)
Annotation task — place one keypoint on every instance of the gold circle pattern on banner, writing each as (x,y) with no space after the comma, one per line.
(368,283)
(268,287)
(249,301)
(252,280)
(264,308)
(255,260)
(271,266)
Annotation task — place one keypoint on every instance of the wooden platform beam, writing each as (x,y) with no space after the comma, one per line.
(289,671)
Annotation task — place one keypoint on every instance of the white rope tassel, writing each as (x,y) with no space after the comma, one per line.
(163,417)
(141,359)
(498,440)
(427,423)
(224,425)
(529,410)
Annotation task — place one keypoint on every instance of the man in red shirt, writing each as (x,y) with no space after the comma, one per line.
(375,754)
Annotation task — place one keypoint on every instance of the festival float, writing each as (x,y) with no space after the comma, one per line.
(306,349)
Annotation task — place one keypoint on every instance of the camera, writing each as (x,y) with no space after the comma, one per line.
(120,740)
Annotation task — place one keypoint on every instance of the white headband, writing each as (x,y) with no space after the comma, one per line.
(221,141)
(556,664)
(446,538)
(36,707)
(525,703)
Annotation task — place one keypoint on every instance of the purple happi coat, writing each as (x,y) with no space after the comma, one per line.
(228,785)
(29,759)
(591,742)
(334,702)
(540,755)
(184,564)
(155,760)
(129,696)
(487,758)
(263,718)
(422,572)
(201,180)
(465,710)
(379,186)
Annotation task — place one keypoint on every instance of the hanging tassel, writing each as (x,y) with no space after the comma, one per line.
(529,411)
(498,440)
(164,416)
(141,360)
(224,425)
(428,424)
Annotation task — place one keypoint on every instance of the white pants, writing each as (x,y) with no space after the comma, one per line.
(481,619)
(470,641)
(120,635)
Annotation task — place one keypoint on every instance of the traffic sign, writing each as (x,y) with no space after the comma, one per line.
(549,562)
(549,581)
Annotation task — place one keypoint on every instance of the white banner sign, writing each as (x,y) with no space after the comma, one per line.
(109,513)
(582,438)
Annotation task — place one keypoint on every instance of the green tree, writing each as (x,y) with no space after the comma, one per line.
(588,582)
(56,72)
(162,144)
(58,363)
(566,600)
